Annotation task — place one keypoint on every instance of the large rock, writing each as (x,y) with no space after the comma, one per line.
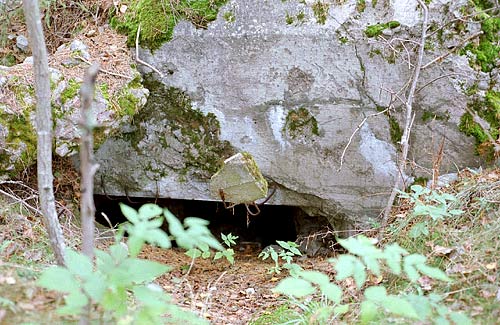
(291,91)
(117,99)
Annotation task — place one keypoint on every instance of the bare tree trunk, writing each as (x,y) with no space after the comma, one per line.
(87,165)
(44,128)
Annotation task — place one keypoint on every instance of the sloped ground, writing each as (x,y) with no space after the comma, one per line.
(466,247)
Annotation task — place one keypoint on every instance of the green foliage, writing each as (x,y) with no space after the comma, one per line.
(431,203)
(286,252)
(377,29)
(486,51)
(395,130)
(157,19)
(120,285)
(203,251)
(360,5)
(363,257)
(229,17)
(489,110)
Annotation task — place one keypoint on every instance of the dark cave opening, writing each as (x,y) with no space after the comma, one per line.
(274,222)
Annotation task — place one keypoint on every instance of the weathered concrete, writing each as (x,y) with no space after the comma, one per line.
(292,95)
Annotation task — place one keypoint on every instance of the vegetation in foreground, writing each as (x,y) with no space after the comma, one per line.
(437,264)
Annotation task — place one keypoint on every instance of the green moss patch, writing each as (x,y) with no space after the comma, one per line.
(158,18)
(430,116)
(301,122)
(489,110)
(21,133)
(71,90)
(395,130)
(360,5)
(377,29)
(202,150)
(487,50)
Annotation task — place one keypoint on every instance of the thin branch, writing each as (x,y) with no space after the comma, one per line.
(408,121)
(354,133)
(137,53)
(211,288)
(21,201)
(454,48)
(103,70)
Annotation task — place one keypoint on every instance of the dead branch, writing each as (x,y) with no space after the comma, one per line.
(87,165)
(354,133)
(408,120)
(436,164)
(137,53)
(103,70)
(453,49)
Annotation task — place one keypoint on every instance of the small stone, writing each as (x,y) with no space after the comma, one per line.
(22,43)
(91,33)
(78,47)
(55,75)
(483,85)
(28,60)
(68,63)
(3,81)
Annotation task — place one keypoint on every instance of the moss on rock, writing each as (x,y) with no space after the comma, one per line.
(486,50)
(320,10)
(198,134)
(157,19)
(300,122)
(489,110)
(377,29)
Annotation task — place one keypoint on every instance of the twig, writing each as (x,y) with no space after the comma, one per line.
(137,53)
(105,71)
(456,47)
(23,202)
(436,164)
(408,121)
(210,288)
(354,133)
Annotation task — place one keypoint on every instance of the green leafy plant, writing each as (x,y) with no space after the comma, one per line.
(432,203)
(365,258)
(286,252)
(229,240)
(203,251)
(119,285)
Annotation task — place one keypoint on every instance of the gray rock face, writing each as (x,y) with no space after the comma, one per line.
(292,94)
